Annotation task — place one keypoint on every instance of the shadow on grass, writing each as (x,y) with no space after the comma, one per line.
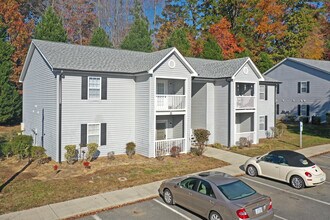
(14,176)
(285,142)
(322,131)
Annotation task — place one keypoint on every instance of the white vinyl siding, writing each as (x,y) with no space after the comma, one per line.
(94,87)
(93,133)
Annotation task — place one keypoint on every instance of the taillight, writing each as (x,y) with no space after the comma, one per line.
(308,174)
(242,214)
(270,205)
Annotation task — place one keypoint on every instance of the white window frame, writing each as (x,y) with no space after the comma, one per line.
(99,124)
(305,87)
(96,77)
(303,111)
(264,122)
(264,92)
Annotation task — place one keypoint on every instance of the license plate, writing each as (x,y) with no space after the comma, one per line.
(258,210)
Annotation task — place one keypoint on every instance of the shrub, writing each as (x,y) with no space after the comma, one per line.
(6,149)
(327,116)
(92,148)
(201,136)
(111,155)
(21,145)
(290,118)
(71,154)
(130,149)
(244,142)
(160,154)
(304,119)
(175,151)
(37,152)
(316,120)
(216,145)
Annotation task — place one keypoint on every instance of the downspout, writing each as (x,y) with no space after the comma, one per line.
(229,112)
(275,104)
(60,117)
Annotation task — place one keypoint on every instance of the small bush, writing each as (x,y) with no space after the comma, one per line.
(160,154)
(111,155)
(327,116)
(304,119)
(201,136)
(216,145)
(130,149)
(6,149)
(44,160)
(175,151)
(244,142)
(37,152)
(21,145)
(316,120)
(92,148)
(71,154)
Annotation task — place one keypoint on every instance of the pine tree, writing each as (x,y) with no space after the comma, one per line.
(265,62)
(100,38)
(50,27)
(10,100)
(211,49)
(179,39)
(138,38)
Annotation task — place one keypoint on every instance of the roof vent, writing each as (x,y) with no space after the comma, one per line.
(214,173)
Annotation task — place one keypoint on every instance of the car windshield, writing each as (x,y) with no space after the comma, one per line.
(236,190)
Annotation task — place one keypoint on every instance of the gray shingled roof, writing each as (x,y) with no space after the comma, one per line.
(322,65)
(269,79)
(215,68)
(88,58)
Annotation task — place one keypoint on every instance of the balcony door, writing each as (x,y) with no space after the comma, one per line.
(161,130)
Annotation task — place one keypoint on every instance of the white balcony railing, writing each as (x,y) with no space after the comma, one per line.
(163,147)
(245,102)
(170,102)
(248,135)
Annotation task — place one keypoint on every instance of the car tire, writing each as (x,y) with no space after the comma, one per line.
(168,197)
(214,216)
(297,182)
(252,171)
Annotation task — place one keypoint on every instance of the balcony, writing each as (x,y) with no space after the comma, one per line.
(170,102)
(163,147)
(245,102)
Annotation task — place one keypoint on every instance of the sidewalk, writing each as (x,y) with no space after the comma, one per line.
(107,200)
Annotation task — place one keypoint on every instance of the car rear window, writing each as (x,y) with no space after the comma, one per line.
(236,190)
(300,161)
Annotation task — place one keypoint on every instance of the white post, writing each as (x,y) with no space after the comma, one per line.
(301,129)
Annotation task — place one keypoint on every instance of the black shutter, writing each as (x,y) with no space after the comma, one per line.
(308,87)
(104,88)
(277,109)
(266,92)
(103,134)
(299,85)
(84,87)
(83,135)
(266,123)
(307,110)
(298,110)
(278,89)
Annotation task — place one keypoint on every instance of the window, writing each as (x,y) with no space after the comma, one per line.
(262,92)
(303,110)
(262,123)
(205,189)
(236,190)
(303,87)
(93,133)
(94,87)
(190,183)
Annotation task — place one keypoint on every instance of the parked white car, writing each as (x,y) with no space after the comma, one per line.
(287,166)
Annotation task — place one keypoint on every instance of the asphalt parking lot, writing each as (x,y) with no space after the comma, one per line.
(305,204)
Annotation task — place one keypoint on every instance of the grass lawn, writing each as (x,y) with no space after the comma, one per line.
(312,135)
(40,185)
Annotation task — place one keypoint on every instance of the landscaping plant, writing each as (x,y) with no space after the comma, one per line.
(37,152)
(130,149)
(201,136)
(92,149)
(175,151)
(21,146)
(71,154)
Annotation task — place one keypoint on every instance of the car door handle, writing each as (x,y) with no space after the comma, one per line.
(211,202)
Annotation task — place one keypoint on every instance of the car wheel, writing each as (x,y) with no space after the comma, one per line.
(252,171)
(214,216)
(168,197)
(297,182)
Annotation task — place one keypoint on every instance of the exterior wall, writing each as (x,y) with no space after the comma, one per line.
(142,117)
(118,111)
(198,105)
(39,92)
(178,72)
(267,108)
(290,73)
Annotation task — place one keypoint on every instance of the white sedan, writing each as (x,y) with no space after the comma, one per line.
(287,166)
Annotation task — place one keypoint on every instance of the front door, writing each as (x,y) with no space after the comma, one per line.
(161,130)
